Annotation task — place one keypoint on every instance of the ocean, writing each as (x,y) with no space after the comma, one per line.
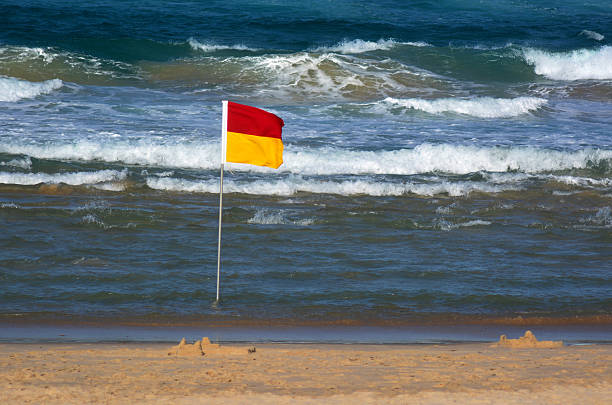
(446,163)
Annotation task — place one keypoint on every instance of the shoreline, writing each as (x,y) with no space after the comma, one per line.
(49,332)
(467,373)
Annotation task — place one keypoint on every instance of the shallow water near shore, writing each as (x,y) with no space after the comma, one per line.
(442,162)
(415,334)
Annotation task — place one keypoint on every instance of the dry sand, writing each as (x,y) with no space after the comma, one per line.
(304,374)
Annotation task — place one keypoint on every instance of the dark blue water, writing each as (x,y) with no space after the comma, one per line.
(445,162)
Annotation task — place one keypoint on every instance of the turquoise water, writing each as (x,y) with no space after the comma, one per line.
(444,162)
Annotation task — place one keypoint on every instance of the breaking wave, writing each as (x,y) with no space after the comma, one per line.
(12,89)
(138,153)
(361,46)
(211,47)
(445,225)
(297,184)
(581,64)
(24,54)
(333,76)
(482,107)
(277,217)
(603,217)
(24,163)
(302,77)
(424,158)
(73,179)
(593,35)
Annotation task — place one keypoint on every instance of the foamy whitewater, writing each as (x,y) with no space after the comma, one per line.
(361,46)
(443,162)
(424,158)
(573,65)
(12,89)
(484,107)
(210,47)
(78,178)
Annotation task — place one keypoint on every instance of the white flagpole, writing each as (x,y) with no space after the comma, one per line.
(219,241)
(223,155)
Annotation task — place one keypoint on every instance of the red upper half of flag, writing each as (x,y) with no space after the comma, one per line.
(249,120)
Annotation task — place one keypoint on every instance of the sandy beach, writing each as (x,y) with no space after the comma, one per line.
(55,373)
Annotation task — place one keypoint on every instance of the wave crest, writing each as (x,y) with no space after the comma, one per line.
(69,66)
(297,184)
(277,217)
(482,107)
(592,35)
(23,163)
(361,46)
(302,76)
(73,179)
(12,89)
(332,76)
(424,158)
(211,47)
(581,64)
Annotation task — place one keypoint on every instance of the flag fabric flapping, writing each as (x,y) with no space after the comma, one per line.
(251,135)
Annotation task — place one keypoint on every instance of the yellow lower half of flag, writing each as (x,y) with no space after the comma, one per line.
(254,150)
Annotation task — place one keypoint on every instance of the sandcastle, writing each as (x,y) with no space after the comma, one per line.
(205,348)
(527,340)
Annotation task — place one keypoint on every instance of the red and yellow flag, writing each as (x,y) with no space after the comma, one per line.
(251,135)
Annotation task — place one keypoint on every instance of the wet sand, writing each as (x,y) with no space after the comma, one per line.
(55,373)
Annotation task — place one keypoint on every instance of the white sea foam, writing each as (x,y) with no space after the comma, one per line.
(94,220)
(211,47)
(424,158)
(602,218)
(91,219)
(276,217)
(582,181)
(23,163)
(482,107)
(73,179)
(581,64)
(448,226)
(165,174)
(444,209)
(326,75)
(12,89)
(593,35)
(23,53)
(297,184)
(579,181)
(361,46)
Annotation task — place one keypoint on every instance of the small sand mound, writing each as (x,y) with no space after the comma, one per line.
(204,348)
(527,340)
